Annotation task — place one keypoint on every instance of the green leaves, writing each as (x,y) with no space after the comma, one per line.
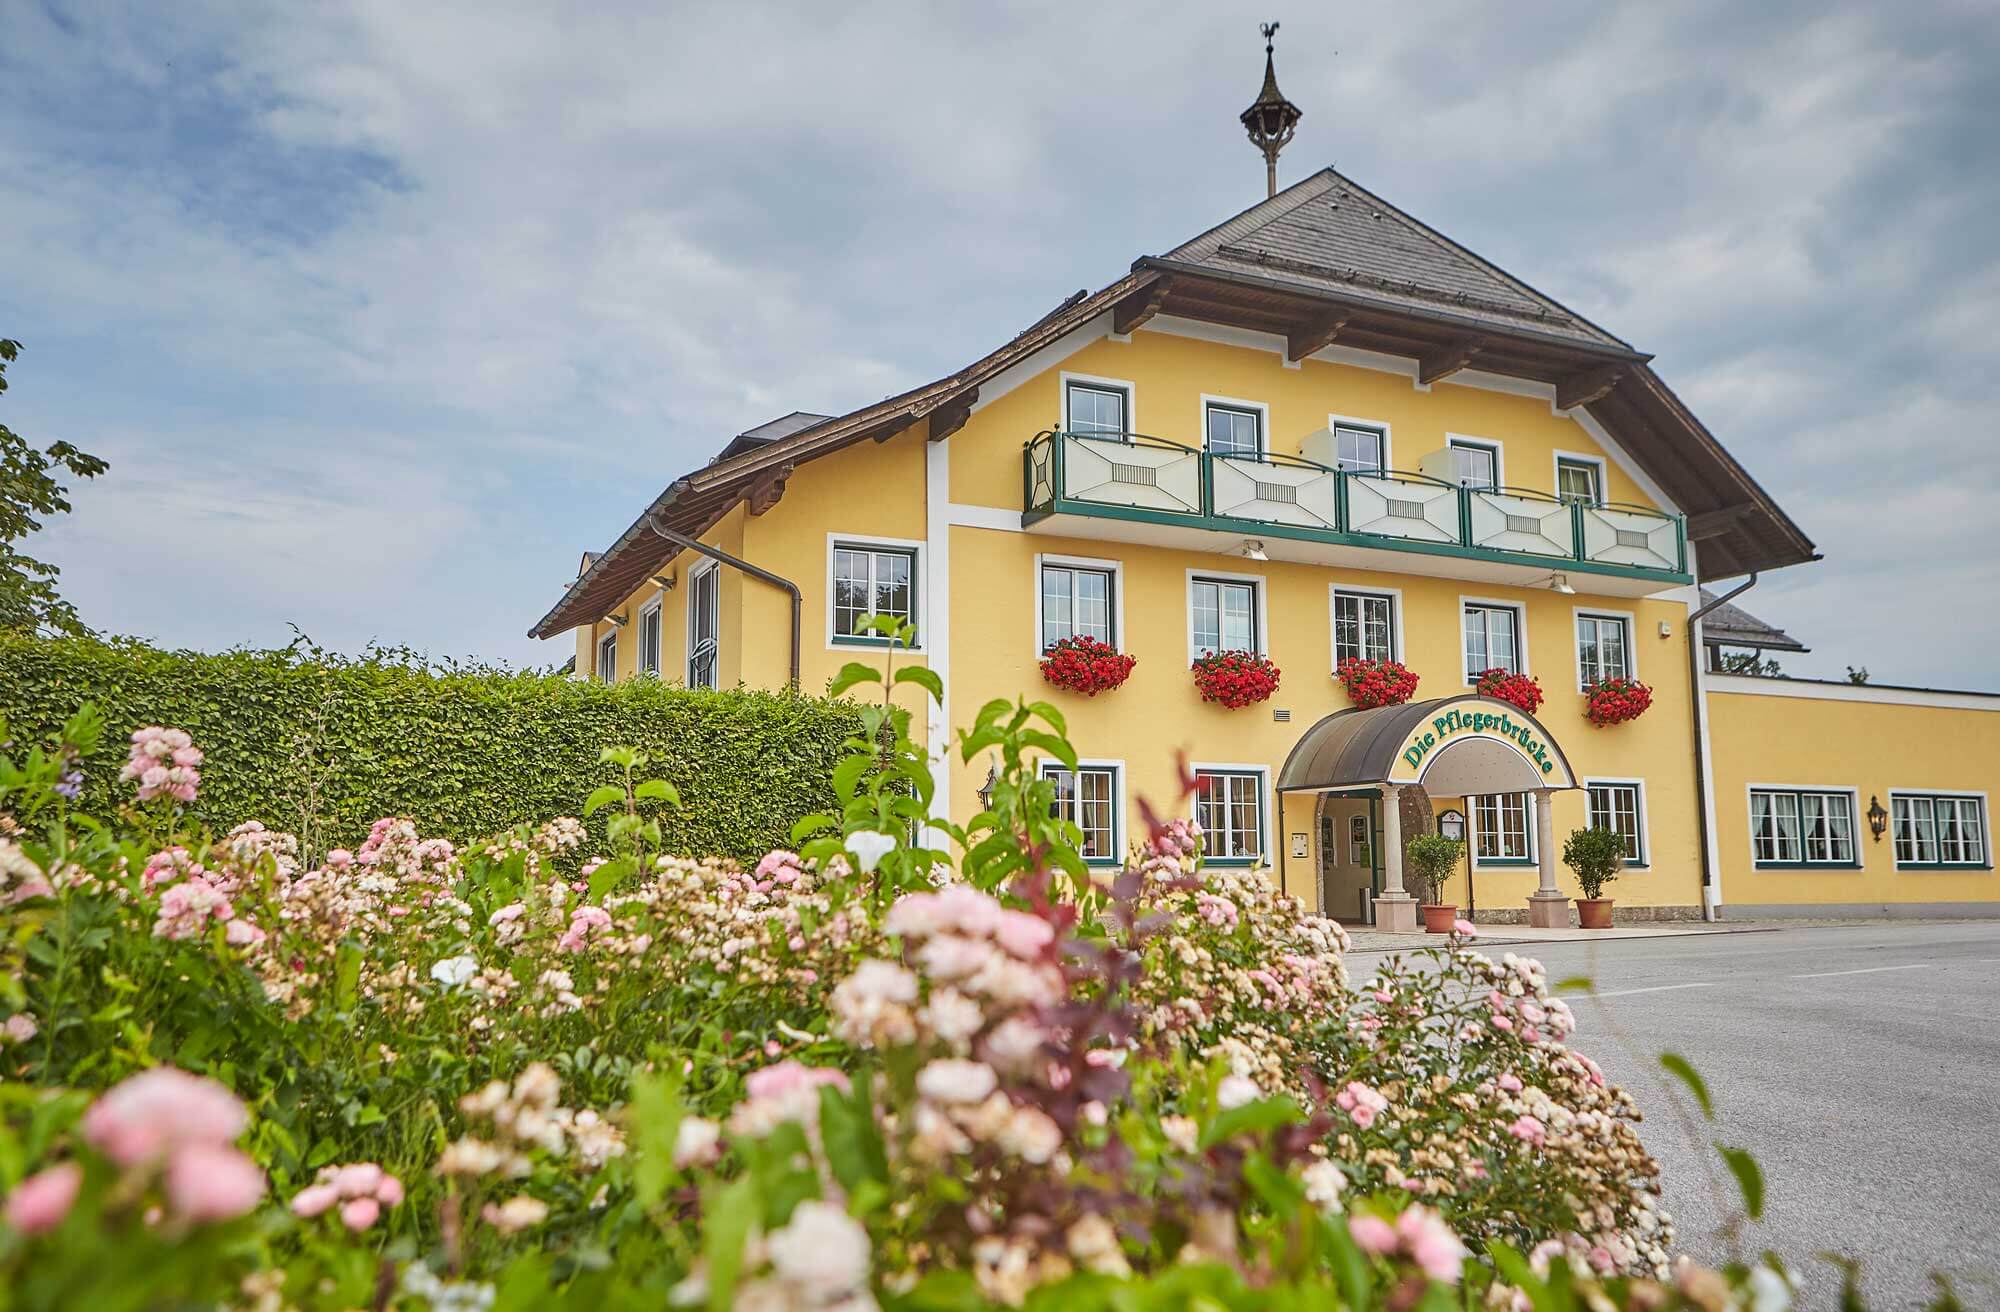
(1749,1178)
(852,674)
(601,797)
(1683,1070)
(1254,1118)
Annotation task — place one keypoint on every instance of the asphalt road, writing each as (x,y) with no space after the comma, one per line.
(1860,1063)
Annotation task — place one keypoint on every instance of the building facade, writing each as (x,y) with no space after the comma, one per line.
(1320,430)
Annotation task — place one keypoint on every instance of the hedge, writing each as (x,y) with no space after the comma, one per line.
(323,745)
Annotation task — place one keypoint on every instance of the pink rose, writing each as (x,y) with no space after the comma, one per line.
(1373,1234)
(358,1214)
(208,1183)
(1432,1244)
(390,1191)
(40,1202)
(158,1109)
(1022,934)
(358,1179)
(314,1199)
(1511,1083)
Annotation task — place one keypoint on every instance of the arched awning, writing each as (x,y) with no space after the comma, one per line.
(1453,746)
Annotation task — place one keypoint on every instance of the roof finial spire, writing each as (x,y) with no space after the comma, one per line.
(1271,119)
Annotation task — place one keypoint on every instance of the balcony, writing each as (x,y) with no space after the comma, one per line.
(1144,489)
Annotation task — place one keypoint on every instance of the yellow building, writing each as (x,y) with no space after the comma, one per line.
(1319,430)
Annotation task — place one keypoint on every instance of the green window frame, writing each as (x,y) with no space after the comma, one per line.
(1579,482)
(1359,449)
(1097,409)
(1621,808)
(1939,831)
(1229,807)
(1503,829)
(1088,798)
(1222,610)
(1364,626)
(1232,430)
(1078,601)
(1467,472)
(1603,648)
(1803,829)
(871,579)
(1490,644)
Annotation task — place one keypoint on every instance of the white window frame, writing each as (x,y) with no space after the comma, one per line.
(1259,408)
(1115,568)
(1453,441)
(1263,617)
(1263,776)
(1395,596)
(1638,787)
(1557,460)
(608,639)
(1529,801)
(1854,822)
(1943,867)
(1334,423)
(655,611)
(919,592)
(706,569)
(1625,617)
(1065,378)
(1048,766)
(1470,675)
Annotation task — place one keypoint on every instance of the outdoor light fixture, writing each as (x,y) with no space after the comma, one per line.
(1254,549)
(1560,583)
(1878,819)
(986,789)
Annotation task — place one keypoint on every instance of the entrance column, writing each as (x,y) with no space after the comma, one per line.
(1395,910)
(1547,907)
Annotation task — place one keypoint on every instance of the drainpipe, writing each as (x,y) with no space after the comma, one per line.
(686,543)
(1700,704)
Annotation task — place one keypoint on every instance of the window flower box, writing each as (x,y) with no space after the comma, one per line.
(1376,683)
(1615,700)
(1085,665)
(1522,690)
(1235,678)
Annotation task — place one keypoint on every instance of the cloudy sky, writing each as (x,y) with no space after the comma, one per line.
(383,311)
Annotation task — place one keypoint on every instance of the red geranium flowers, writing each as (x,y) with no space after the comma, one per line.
(1616,700)
(1235,678)
(1522,690)
(1376,683)
(1085,665)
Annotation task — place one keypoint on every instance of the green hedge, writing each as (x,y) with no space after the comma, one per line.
(323,745)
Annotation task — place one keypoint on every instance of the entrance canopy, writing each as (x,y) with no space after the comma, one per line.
(1453,746)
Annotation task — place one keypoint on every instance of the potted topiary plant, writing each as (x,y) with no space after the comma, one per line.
(1430,860)
(1596,856)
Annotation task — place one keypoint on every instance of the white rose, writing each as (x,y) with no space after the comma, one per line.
(949,1079)
(695,1142)
(1324,1184)
(822,1251)
(454,971)
(869,848)
(1235,1091)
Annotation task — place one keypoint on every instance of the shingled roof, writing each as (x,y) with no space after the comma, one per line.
(1729,625)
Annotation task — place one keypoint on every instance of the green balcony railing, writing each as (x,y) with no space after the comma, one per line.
(1135,477)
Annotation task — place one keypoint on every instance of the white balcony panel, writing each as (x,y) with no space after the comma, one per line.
(1502,522)
(1402,508)
(1274,494)
(1127,474)
(1618,537)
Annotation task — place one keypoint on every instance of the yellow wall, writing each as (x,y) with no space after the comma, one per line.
(1832,742)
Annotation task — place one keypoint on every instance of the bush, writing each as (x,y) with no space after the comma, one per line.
(321,745)
(1522,690)
(1235,678)
(1431,859)
(1595,856)
(1376,683)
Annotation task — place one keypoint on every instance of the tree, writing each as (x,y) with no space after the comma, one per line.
(1747,662)
(28,488)
(1857,676)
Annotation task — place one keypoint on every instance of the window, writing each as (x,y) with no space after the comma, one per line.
(1088,799)
(1229,807)
(1076,603)
(1579,482)
(871,581)
(607,658)
(649,638)
(1500,829)
(1801,827)
(1939,830)
(1364,626)
(1603,648)
(704,624)
(1358,851)
(1475,464)
(1225,615)
(1618,807)
(1234,430)
(1095,409)
(1492,639)
(1358,450)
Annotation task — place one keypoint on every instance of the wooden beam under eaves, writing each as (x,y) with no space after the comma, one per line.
(951,416)
(1587,387)
(1714,523)
(766,491)
(1315,336)
(1139,306)
(1447,360)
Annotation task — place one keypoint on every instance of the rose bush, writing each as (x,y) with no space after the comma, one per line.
(415,1075)
(1616,700)
(1085,665)
(1376,683)
(1235,678)
(1522,690)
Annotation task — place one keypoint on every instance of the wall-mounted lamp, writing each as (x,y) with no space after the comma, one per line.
(1666,629)
(1560,583)
(1878,819)
(1254,549)
(992,778)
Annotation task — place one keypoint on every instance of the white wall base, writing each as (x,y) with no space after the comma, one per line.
(1861,911)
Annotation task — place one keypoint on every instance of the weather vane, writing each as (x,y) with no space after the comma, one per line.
(1271,119)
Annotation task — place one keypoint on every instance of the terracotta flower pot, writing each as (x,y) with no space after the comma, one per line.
(1438,917)
(1591,912)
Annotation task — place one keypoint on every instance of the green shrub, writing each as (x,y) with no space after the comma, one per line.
(1430,860)
(1596,856)
(323,745)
